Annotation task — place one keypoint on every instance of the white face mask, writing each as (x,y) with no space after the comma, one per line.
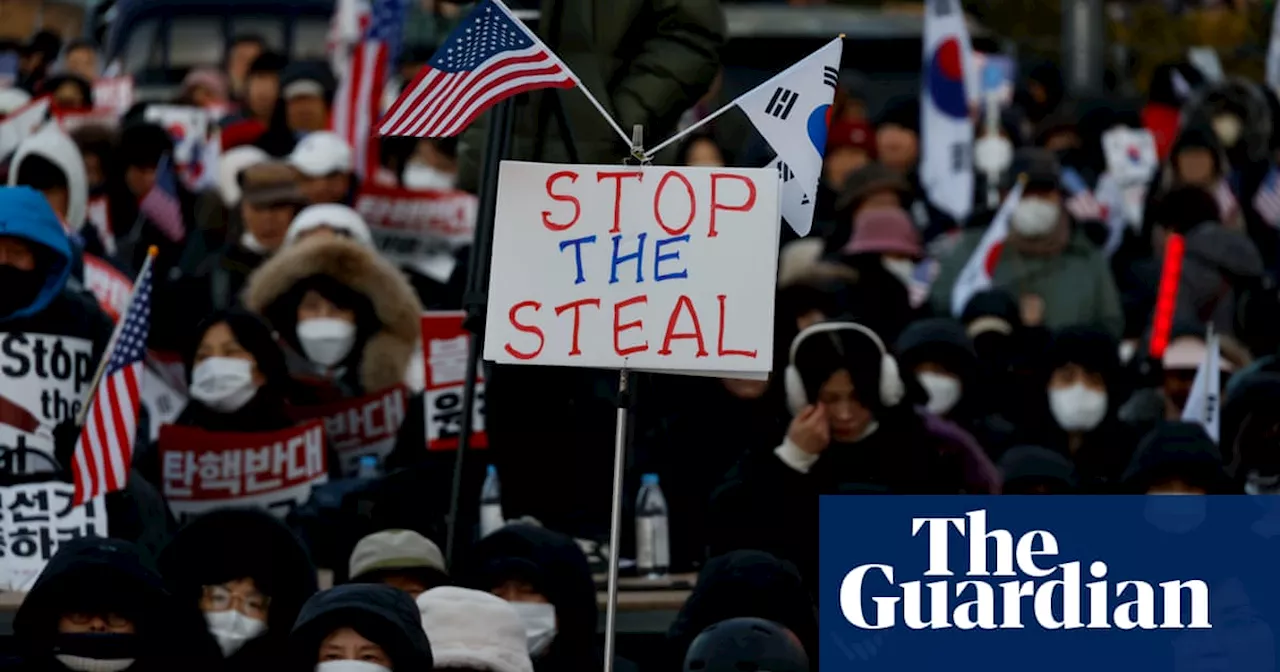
(1035,217)
(350,666)
(250,242)
(944,391)
(899,268)
(1078,408)
(325,340)
(1227,127)
(422,176)
(539,625)
(224,384)
(82,664)
(232,629)
(1171,512)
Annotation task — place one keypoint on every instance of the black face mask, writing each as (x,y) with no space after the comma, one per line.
(20,289)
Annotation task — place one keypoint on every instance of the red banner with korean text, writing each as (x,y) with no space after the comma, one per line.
(202,470)
(359,427)
(444,344)
(421,229)
(108,285)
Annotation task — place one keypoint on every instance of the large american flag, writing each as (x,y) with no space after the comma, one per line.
(488,57)
(1267,201)
(358,103)
(161,204)
(105,448)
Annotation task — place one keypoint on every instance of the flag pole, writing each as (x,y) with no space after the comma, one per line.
(115,337)
(648,155)
(475,299)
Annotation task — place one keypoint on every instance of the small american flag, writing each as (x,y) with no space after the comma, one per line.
(488,57)
(358,103)
(1081,202)
(105,448)
(161,204)
(1267,201)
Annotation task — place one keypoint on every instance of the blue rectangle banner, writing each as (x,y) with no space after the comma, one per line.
(1047,583)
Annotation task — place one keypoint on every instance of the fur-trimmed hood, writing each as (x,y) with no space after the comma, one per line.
(387,352)
(1247,100)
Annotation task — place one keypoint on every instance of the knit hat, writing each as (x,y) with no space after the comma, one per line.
(474,630)
(991,310)
(903,112)
(307,79)
(868,180)
(856,134)
(884,231)
(1024,466)
(395,549)
(335,216)
(1177,450)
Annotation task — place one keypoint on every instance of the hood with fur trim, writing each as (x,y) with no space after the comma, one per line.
(53,145)
(1243,97)
(388,350)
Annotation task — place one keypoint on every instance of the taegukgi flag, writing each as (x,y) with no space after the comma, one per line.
(976,274)
(946,131)
(792,112)
(1204,407)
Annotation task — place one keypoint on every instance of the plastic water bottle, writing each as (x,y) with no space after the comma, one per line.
(653,544)
(491,503)
(368,467)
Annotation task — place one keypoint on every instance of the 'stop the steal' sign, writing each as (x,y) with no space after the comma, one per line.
(649,268)
(1106,584)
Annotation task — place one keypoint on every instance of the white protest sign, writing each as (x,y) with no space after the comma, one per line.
(1130,154)
(22,123)
(652,268)
(188,126)
(420,229)
(113,93)
(37,518)
(43,380)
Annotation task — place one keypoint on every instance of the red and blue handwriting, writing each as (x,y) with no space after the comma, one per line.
(649,258)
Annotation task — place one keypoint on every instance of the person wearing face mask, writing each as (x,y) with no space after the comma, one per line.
(546,578)
(359,628)
(100,606)
(325,163)
(1250,432)
(349,317)
(402,559)
(855,428)
(941,356)
(744,584)
(239,381)
(474,631)
(1008,351)
(883,253)
(1058,275)
(1197,160)
(329,220)
(1081,390)
(249,575)
(433,165)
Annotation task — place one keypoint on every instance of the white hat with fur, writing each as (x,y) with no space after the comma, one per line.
(473,630)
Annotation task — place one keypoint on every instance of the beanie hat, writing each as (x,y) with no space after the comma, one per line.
(335,216)
(474,630)
(1185,207)
(884,231)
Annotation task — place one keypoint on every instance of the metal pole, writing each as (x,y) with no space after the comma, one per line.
(615,525)
(475,299)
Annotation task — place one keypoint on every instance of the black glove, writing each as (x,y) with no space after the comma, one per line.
(65,436)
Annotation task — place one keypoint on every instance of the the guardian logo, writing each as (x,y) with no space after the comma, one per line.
(1039,587)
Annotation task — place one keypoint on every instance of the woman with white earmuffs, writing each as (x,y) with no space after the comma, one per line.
(855,429)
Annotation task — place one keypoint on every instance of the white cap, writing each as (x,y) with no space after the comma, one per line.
(11,100)
(395,549)
(230,165)
(322,153)
(474,630)
(338,217)
(1186,353)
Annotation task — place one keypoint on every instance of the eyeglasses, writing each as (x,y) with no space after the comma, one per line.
(112,620)
(220,598)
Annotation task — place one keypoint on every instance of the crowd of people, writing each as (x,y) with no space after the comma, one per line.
(272,294)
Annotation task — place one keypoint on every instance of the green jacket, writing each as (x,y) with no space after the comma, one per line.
(646,61)
(1076,285)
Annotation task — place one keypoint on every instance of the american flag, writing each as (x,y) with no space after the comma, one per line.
(358,103)
(488,57)
(161,204)
(105,448)
(1081,202)
(1267,201)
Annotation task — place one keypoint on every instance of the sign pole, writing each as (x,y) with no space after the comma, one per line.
(619,470)
(475,299)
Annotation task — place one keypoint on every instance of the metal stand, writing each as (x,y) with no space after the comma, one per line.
(475,299)
(615,524)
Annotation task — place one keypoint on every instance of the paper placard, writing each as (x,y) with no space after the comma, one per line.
(421,229)
(114,94)
(35,520)
(202,471)
(1130,154)
(650,268)
(44,379)
(189,128)
(444,345)
(359,427)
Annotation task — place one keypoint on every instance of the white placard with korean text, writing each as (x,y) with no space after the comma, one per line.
(35,520)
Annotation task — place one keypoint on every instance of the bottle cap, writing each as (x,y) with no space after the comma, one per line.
(649,479)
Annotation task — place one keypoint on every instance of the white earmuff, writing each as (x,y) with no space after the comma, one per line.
(892,389)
